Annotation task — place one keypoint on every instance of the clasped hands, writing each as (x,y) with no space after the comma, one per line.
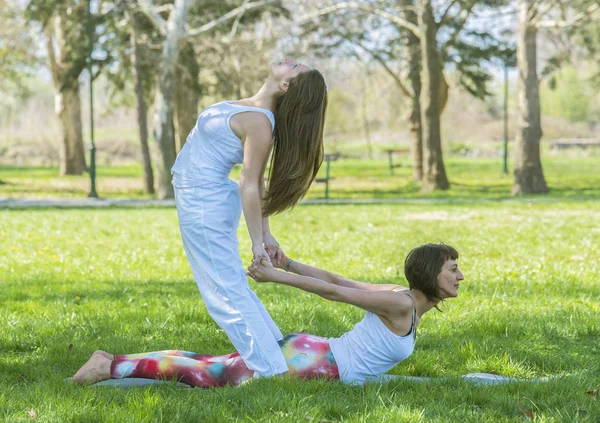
(265,259)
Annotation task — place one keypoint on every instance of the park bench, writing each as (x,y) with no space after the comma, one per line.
(562,143)
(390,152)
(328,158)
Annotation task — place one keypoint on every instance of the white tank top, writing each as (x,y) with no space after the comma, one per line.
(212,148)
(370,349)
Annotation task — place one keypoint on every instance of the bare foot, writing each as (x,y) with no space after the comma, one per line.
(105,354)
(96,369)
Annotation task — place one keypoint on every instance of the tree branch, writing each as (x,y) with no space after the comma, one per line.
(465,15)
(563,11)
(236,23)
(143,40)
(165,8)
(564,24)
(150,10)
(532,11)
(445,14)
(383,64)
(355,5)
(232,13)
(397,79)
(52,59)
(539,15)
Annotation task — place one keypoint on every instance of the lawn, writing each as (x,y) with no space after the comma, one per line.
(77,280)
(567,177)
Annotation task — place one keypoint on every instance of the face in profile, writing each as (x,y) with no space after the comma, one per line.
(288,69)
(449,279)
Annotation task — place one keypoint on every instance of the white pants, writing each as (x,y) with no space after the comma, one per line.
(209,217)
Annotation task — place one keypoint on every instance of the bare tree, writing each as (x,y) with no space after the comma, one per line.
(66,64)
(187,93)
(528,172)
(434,172)
(529,176)
(411,19)
(142,113)
(19,61)
(66,51)
(17,50)
(164,134)
(414,77)
(63,25)
(175,31)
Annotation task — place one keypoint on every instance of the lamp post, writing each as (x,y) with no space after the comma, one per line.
(509,60)
(92,193)
(505,168)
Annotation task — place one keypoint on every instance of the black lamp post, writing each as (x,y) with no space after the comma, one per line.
(92,193)
(505,168)
(509,60)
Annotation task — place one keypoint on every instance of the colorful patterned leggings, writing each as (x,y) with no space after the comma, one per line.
(307,357)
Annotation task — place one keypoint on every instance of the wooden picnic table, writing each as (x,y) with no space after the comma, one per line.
(562,143)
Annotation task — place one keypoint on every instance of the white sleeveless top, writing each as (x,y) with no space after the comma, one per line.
(212,148)
(370,349)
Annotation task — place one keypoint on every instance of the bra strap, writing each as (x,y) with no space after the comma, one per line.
(414,314)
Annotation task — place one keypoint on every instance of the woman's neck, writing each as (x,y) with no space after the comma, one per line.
(422,303)
(266,97)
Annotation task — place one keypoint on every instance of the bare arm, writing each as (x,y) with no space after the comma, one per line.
(271,244)
(257,145)
(376,301)
(329,277)
(265,220)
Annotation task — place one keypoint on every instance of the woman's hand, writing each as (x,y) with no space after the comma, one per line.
(258,255)
(280,264)
(263,272)
(272,247)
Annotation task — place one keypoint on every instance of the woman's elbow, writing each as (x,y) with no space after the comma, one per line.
(248,185)
(335,279)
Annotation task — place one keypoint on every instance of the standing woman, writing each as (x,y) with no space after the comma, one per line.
(286,116)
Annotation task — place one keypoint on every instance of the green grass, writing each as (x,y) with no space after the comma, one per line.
(77,280)
(575,177)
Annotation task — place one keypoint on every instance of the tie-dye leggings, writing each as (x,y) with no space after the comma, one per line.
(307,357)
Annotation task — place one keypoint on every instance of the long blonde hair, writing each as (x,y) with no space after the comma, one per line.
(298,142)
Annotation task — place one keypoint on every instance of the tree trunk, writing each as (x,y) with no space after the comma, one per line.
(414,75)
(444,88)
(163,126)
(142,113)
(187,94)
(434,173)
(529,176)
(67,103)
(68,109)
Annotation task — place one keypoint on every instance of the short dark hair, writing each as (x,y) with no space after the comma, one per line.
(423,265)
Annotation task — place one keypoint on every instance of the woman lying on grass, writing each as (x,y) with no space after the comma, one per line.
(385,336)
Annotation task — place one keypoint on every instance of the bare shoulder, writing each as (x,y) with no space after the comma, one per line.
(399,318)
(404,300)
(251,123)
